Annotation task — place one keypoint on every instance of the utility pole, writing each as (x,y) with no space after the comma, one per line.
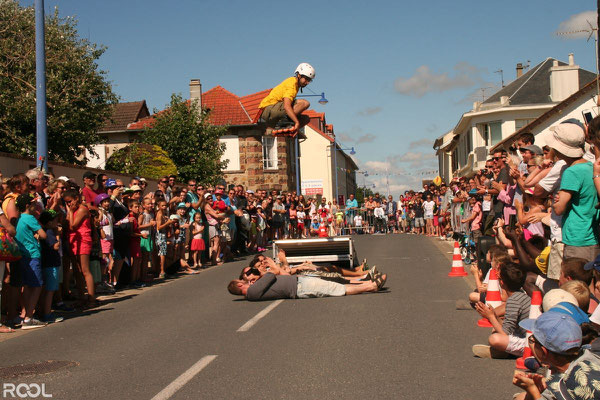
(40,88)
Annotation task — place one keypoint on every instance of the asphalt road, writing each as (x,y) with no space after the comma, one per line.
(180,340)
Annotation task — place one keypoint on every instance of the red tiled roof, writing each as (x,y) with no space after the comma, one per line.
(125,114)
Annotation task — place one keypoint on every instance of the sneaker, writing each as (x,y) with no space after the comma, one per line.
(51,319)
(63,307)
(32,324)
(139,284)
(485,351)
(16,322)
(108,287)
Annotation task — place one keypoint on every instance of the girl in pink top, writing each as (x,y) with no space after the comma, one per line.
(80,240)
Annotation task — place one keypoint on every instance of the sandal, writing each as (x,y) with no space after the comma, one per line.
(6,329)
(380,280)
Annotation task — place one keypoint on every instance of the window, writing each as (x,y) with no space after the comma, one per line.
(519,123)
(269,152)
(493,133)
(232,152)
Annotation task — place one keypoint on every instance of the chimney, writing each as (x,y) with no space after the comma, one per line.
(564,80)
(519,70)
(196,92)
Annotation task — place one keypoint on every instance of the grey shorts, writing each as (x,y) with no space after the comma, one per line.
(555,260)
(315,287)
(588,253)
(419,223)
(213,231)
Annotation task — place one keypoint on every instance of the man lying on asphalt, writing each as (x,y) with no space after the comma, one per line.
(279,284)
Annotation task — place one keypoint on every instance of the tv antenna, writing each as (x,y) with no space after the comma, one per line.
(591,31)
(501,76)
(483,89)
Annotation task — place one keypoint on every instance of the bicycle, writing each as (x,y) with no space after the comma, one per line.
(467,246)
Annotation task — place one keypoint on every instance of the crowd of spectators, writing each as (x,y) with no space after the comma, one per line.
(534,213)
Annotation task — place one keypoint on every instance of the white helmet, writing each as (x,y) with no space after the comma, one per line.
(307,70)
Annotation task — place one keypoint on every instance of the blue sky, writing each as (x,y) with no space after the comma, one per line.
(396,75)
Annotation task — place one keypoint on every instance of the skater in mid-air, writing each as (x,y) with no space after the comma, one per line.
(281,101)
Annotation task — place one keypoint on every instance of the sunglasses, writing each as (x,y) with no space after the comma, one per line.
(164,181)
(532,340)
(496,158)
(104,180)
(192,184)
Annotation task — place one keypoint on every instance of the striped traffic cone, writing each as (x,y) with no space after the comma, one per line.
(492,297)
(535,310)
(458,269)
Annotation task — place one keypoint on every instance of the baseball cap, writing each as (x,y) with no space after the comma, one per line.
(181,205)
(555,296)
(111,183)
(569,309)
(250,191)
(566,138)
(64,178)
(594,264)
(136,188)
(556,331)
(89,175)
(533,148)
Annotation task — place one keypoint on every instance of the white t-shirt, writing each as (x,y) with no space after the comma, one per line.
(378,212)
(428,206)
(301,215)
(486,205)
(551,184)
(358,220)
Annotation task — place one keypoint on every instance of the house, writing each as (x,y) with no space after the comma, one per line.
(580,105)
(318,162)
(465,148)
(117,131)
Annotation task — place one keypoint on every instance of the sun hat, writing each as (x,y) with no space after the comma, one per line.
(555,296)
(566,138)
(557,332)
(100,198)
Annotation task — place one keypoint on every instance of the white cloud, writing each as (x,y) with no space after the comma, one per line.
(377,165)
(426,81)
(368,138)
(421,143)
(577,22)
(369,111)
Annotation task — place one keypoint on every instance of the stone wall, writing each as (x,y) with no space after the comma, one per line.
(252,175)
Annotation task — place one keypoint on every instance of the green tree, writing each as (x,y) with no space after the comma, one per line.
(189,140)
(361,193)
(147,160)
(79,97)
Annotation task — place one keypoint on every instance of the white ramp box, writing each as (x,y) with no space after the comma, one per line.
(337,250)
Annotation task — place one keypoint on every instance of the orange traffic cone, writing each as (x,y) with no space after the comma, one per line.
(535,310)
(492,297)
(458,269)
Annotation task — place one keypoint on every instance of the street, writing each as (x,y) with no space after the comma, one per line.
(182,340)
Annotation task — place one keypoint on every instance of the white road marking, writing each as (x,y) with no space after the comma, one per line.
(258,316)
(184,378)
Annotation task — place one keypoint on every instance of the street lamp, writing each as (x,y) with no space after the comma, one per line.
(40,88)
(322,101)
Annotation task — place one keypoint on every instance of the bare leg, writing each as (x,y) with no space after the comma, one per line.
(84,264)
(361,288)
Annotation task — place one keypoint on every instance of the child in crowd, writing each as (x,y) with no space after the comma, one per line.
(147,226)
(180,234)
(323,229)
(197,246)
(580,291)
(51,263)
(96,259)
(163,228)
(301,215)
(261,238)
(508,337)
(80,241)
(102,201)
(30,263)
(314,227)
(496,256)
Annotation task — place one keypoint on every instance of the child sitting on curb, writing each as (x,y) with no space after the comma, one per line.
(508,337)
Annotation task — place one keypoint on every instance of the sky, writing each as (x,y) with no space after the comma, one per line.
(396,75)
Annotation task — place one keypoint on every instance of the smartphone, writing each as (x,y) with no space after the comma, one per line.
(512,221)
(587,116)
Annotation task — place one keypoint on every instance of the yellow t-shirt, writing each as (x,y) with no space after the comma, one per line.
(541,261)
(288,88)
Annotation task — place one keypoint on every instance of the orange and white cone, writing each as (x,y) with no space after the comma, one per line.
(458,269)
(535,310)
(492,297)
